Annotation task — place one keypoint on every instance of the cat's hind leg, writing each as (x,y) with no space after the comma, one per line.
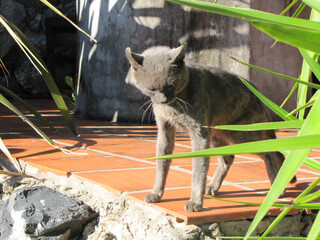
(225,163)
(273,160)
(165,145)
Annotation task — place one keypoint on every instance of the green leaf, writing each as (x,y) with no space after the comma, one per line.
(265,238)
(36,59)
(279,205)
(315,229)
(293,31)
(289,95)
(316,86)
(262,126)
(276,221)
(311,163)
(310,59)
(63,16)
(303,107)
(9,105)
(30,108)
(302,90)
(274,107)
(290,166)
(293,35)
(313,3)
(299,142)
(308,198)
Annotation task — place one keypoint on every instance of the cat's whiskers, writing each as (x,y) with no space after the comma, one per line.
(148,102)
(146,110)
(183,107)
(186,104)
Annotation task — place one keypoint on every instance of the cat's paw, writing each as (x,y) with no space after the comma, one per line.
(211,190)
(192,206)
(152,198)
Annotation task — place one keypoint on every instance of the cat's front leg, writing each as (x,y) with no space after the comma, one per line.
(200,168)
(165,145)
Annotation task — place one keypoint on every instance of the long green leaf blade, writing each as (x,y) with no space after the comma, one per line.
(274,107)
(9,105)
(310,59)
(290,166)
(262,126)
(299,142)
(314,4)
(48,4)
(294,36)
(315,229)
(286,29)
(313,85)
(30,108)
(311,163)
(55,93)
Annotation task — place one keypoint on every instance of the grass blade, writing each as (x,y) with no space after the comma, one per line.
(310,59)
(308,104)
(274,107)
(30,108)
(40,65)
(290,166)
(6,103)
(315,229)
(48,4)
(289,95)
(315,86)
(299,142)
(291,35)
(262,126)
(313,4)
(311,163)
(265,238)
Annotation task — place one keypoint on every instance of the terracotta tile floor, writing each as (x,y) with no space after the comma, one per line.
(114,156)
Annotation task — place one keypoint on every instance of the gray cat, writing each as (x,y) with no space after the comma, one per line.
(191,97)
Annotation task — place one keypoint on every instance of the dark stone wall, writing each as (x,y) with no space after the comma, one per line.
(30,16)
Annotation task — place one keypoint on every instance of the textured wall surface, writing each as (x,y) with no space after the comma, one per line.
(280,58)
(117,24)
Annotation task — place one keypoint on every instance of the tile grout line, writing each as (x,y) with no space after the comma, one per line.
(113,170)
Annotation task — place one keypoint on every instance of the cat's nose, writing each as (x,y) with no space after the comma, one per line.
(163,99)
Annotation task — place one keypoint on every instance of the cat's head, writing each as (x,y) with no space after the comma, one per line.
(159,72)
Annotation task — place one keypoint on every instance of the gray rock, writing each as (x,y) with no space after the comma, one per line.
(6,221)
(16,13)
(30,79)
(42,212)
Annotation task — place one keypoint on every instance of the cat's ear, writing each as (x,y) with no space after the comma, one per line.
(178,54)
(135,59)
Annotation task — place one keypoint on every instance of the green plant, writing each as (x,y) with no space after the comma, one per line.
(305,35)
(33,55)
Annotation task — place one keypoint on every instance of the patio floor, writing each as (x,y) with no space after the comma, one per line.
(114,156)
